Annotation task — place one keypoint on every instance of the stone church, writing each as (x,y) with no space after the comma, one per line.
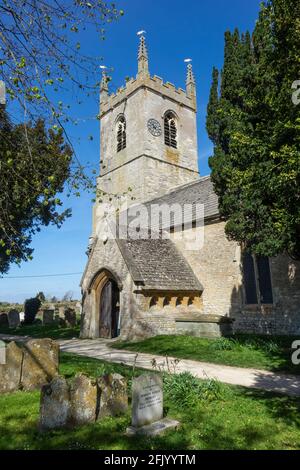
(138,287)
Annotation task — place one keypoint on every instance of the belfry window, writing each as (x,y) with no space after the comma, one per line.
(170,130)
(257,279)
(121,134)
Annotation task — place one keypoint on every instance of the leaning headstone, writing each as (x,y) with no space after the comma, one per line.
(54,404)
(10,372)
(147,407)
(4,319)
(13,318)
(83,397)
(40,363)
(113,395)
(70,317)
(48,317)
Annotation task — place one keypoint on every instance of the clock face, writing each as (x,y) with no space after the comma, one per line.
(154,127)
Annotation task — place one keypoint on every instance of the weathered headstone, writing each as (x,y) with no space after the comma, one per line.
(83,397)
(40,363)
(54,404)
(70,317)
(147,407)
(10,372)
(48,316)
(4,319)
(13,318)
(113,395)
(147,400)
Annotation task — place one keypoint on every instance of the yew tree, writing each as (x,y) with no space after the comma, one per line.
(254,125)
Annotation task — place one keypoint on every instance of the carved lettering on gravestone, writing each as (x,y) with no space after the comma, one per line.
(147,400)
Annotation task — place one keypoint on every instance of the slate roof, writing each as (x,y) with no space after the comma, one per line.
(158,265)
(191,199)
(199,192)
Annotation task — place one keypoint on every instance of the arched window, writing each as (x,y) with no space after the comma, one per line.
(121,134)
(170,130)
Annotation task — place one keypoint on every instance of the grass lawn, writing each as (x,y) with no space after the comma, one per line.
(242,350)
(216,417)
(39,331)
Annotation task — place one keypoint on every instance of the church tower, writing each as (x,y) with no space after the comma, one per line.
(148,134)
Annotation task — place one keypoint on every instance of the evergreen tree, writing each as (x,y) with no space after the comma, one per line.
(255,130)
(30,178)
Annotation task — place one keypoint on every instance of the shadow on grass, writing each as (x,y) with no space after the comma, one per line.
(39,331)
(249,351)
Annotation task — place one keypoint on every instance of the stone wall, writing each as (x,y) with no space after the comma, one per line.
(218,266)
(283,317)
(146,155)
(104,255)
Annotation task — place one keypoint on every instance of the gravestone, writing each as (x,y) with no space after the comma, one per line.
(13,318)
(10,372)
(61,312)
(113,395)
(40,363)
(4,319)
(147,400)
(29,365)
(70,317)
(48,317)
(83,397)
(147,407)
(54,404)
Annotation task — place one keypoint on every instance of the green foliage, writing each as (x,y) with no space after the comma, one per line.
(260,352)
(34,166)
(31,308)
(223,344)
(243,419)
(185,390)
(255,130)
(41,296)
(37,330)
(41,53)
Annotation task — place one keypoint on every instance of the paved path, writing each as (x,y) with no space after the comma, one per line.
(252,378)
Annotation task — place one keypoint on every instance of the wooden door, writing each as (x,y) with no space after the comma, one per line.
(105,311)
(109,310)
(115,304)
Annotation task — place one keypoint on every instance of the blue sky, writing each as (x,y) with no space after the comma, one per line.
(175,30)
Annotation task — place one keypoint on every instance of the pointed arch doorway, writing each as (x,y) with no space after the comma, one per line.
(109,310)
(106,288)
